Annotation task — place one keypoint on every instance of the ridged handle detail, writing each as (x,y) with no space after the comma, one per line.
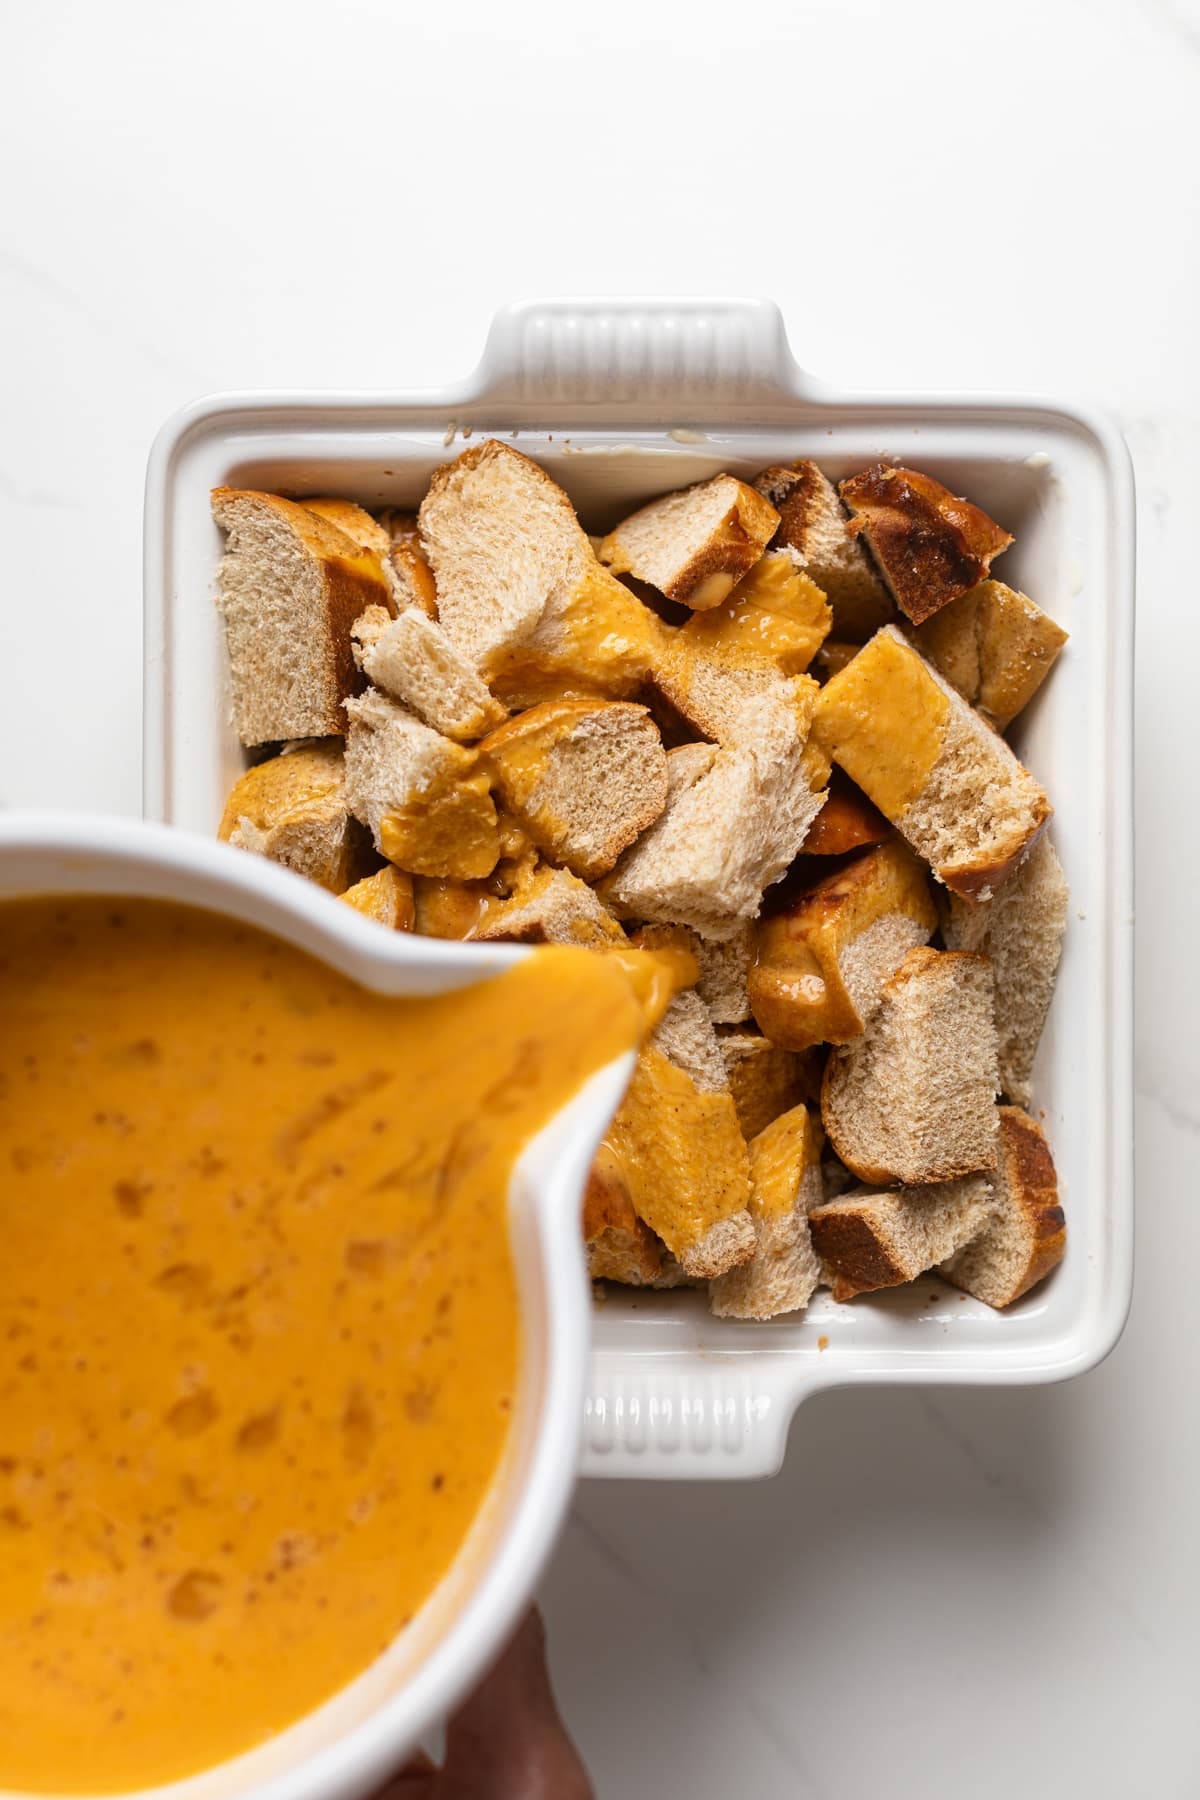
(686,1422)
(653,351)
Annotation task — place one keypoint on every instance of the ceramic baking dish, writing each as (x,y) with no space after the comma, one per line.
(620,401)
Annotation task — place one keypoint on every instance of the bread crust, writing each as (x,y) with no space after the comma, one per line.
(352,580)
(814,529)
(979,880)
(930,545)
(731,548)
(1029,1183)
(846,1242)
(795,493)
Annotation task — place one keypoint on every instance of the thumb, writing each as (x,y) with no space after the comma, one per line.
(507,1740)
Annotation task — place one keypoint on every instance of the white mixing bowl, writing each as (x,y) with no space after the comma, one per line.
(355,1740)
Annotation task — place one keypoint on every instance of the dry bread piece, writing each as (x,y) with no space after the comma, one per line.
(821,963)
(684,1161)
(413,660)
(814,528)
(620,1247)
(386,897)
(520,592)
(734,820)
(930,764)
(292,809)
(1022,930)
(290,586)
(551,906)
(582,777)
(775,616)
(695,545)
(914,1098)
(1026,1235)
(354,520)
(724,968)
(685,1034)
(995,646)
(930,545)
(719,966)
(870,1240)
(766,1081)
(785,1186)
(426,800)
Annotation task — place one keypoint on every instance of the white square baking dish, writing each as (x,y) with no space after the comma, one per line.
(622,400)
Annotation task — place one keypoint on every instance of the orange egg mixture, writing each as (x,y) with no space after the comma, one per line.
(259,1322)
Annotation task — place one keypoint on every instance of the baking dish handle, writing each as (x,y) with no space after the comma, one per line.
(644,353)
(683,1422)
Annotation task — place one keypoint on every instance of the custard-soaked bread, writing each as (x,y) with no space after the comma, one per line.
(519,590)
(870,1240)
(1026,1235)
(406,565)
(813,527)
(931,765)
(426,800)
(775,615)
(583,778)
(994,646)
(386,897)
(821,963)
(354,520)
(694,546)
(684,1160)
(290,586)
(735,818)
(847,821)
(833,656)
(550,906)
(292,809)
(785,1186)
(930,544)
(1022,930)
(620,1247)
(766,1081)
(913,1098)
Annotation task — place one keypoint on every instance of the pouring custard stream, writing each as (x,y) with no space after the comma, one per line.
(259,1319)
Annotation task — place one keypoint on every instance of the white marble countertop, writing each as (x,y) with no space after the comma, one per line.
(995,1589)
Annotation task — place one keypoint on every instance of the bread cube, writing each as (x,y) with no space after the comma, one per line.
(931,765)
(822,962)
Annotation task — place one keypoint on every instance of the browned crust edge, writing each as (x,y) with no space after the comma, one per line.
(978,881)
(1030,1172)
(929,544)
(857,1256)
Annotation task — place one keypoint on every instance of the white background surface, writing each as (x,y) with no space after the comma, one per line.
(994,1590)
